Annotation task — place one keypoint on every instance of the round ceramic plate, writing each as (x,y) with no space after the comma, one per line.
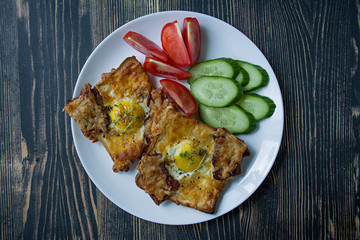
(219,39)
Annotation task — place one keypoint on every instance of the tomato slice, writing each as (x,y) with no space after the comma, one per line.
(173,44)
(165,70)
(145,46)
(181,96)
(192,38)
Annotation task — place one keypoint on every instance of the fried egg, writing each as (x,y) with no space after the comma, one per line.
(128,116)
(186,158)
(114,111)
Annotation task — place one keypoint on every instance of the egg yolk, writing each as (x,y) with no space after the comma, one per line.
(127,116)
(189,157)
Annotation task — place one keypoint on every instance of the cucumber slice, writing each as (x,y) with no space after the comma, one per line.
(223,67)
(234,118)
(214,91)
(242,77)
(259,106)
(258,77)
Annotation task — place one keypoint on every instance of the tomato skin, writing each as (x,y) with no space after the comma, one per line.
(165,70)
(145,46)
(181,96)
(192,38)
(173,44)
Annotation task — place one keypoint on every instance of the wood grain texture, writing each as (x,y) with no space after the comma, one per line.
(312,191)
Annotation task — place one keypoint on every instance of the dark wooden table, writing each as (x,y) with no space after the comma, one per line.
(312,190)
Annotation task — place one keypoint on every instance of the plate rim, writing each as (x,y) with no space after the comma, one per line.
(77,88)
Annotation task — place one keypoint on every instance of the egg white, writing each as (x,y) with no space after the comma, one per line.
(178,174)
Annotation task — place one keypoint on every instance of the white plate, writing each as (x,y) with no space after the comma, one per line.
(219,39)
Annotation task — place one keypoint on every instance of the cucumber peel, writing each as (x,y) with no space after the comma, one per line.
(222,67)
(234,118)
(223,87)
(214,91)
(243,77)
(259,106)
(258,77)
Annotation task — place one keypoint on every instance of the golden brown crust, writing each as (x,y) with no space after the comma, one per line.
(90,112)
(165,119)
(165,128)
(157,181)
(129,79)
(228,153)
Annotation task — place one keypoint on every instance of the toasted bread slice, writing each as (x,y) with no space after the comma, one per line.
(114,112)
(187,162)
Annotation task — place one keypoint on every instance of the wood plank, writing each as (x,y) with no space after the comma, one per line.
(13,146)
(312,190)
(57,194)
